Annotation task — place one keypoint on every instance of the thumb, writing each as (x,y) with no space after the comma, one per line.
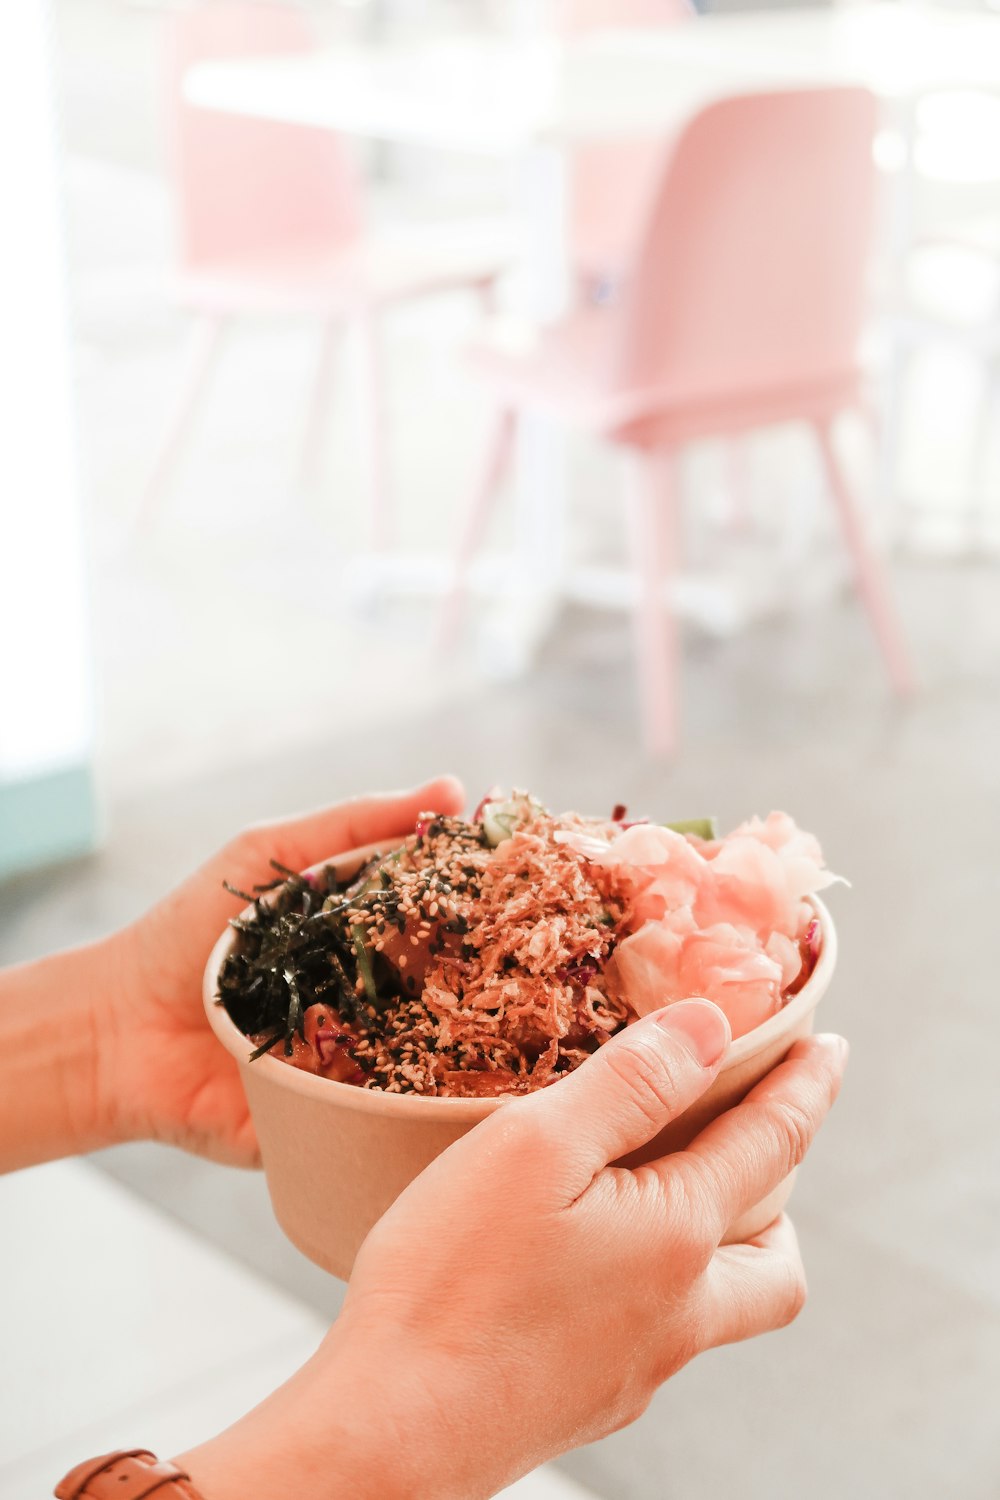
(302,841)
(624,1094)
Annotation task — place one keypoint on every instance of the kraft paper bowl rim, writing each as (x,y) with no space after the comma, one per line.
(377,1101)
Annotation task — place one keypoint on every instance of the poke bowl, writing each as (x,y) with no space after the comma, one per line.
(349,1109)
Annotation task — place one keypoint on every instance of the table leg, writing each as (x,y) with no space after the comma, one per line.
(522,619)
(900,232)
(903,206)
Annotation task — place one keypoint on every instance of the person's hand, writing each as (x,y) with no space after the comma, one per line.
(523,1296)
(161,1070)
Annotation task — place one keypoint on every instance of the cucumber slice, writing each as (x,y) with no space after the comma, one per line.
(501,820)
(705,828)
(364,964)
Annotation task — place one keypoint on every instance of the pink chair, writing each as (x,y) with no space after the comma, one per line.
(270,219)
(745,310)
(611,183)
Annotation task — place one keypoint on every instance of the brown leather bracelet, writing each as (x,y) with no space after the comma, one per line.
(130,1474)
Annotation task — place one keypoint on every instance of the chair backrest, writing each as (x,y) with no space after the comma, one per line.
(753,267)
(246,187)
(612,184)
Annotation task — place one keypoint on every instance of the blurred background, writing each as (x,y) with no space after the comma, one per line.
(274,278)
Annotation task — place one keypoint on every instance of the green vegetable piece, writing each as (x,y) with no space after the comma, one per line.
(705,828)
(501,819)
(364,964)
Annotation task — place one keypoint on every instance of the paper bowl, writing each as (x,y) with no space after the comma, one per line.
(336,1156)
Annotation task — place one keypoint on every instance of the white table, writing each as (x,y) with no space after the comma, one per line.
(493,97)
(531,101)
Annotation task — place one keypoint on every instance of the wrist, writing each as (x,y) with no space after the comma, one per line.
(54,1039)
(355,1421)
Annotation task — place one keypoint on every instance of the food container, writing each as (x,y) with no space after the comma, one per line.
(336,1156)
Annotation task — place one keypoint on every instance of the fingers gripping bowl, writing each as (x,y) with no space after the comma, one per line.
(637,917)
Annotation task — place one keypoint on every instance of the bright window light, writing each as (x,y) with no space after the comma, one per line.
(45,714)
(959,137)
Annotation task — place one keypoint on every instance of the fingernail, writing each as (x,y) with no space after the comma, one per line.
(700,1025)
(836,1044)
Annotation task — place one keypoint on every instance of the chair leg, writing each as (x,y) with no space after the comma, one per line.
(871,580)
(204,346)
(888,433)
(873,420)
(653,504)
(373,425)
(496,462)
(310,461)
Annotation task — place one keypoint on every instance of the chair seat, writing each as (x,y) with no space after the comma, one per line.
(568,371)
(383,266)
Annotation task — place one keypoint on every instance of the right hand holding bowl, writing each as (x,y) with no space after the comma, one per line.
(522,1296)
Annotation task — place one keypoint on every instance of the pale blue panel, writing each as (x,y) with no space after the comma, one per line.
(47,818)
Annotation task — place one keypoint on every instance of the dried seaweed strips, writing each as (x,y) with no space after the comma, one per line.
(291,953)
(300,947)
